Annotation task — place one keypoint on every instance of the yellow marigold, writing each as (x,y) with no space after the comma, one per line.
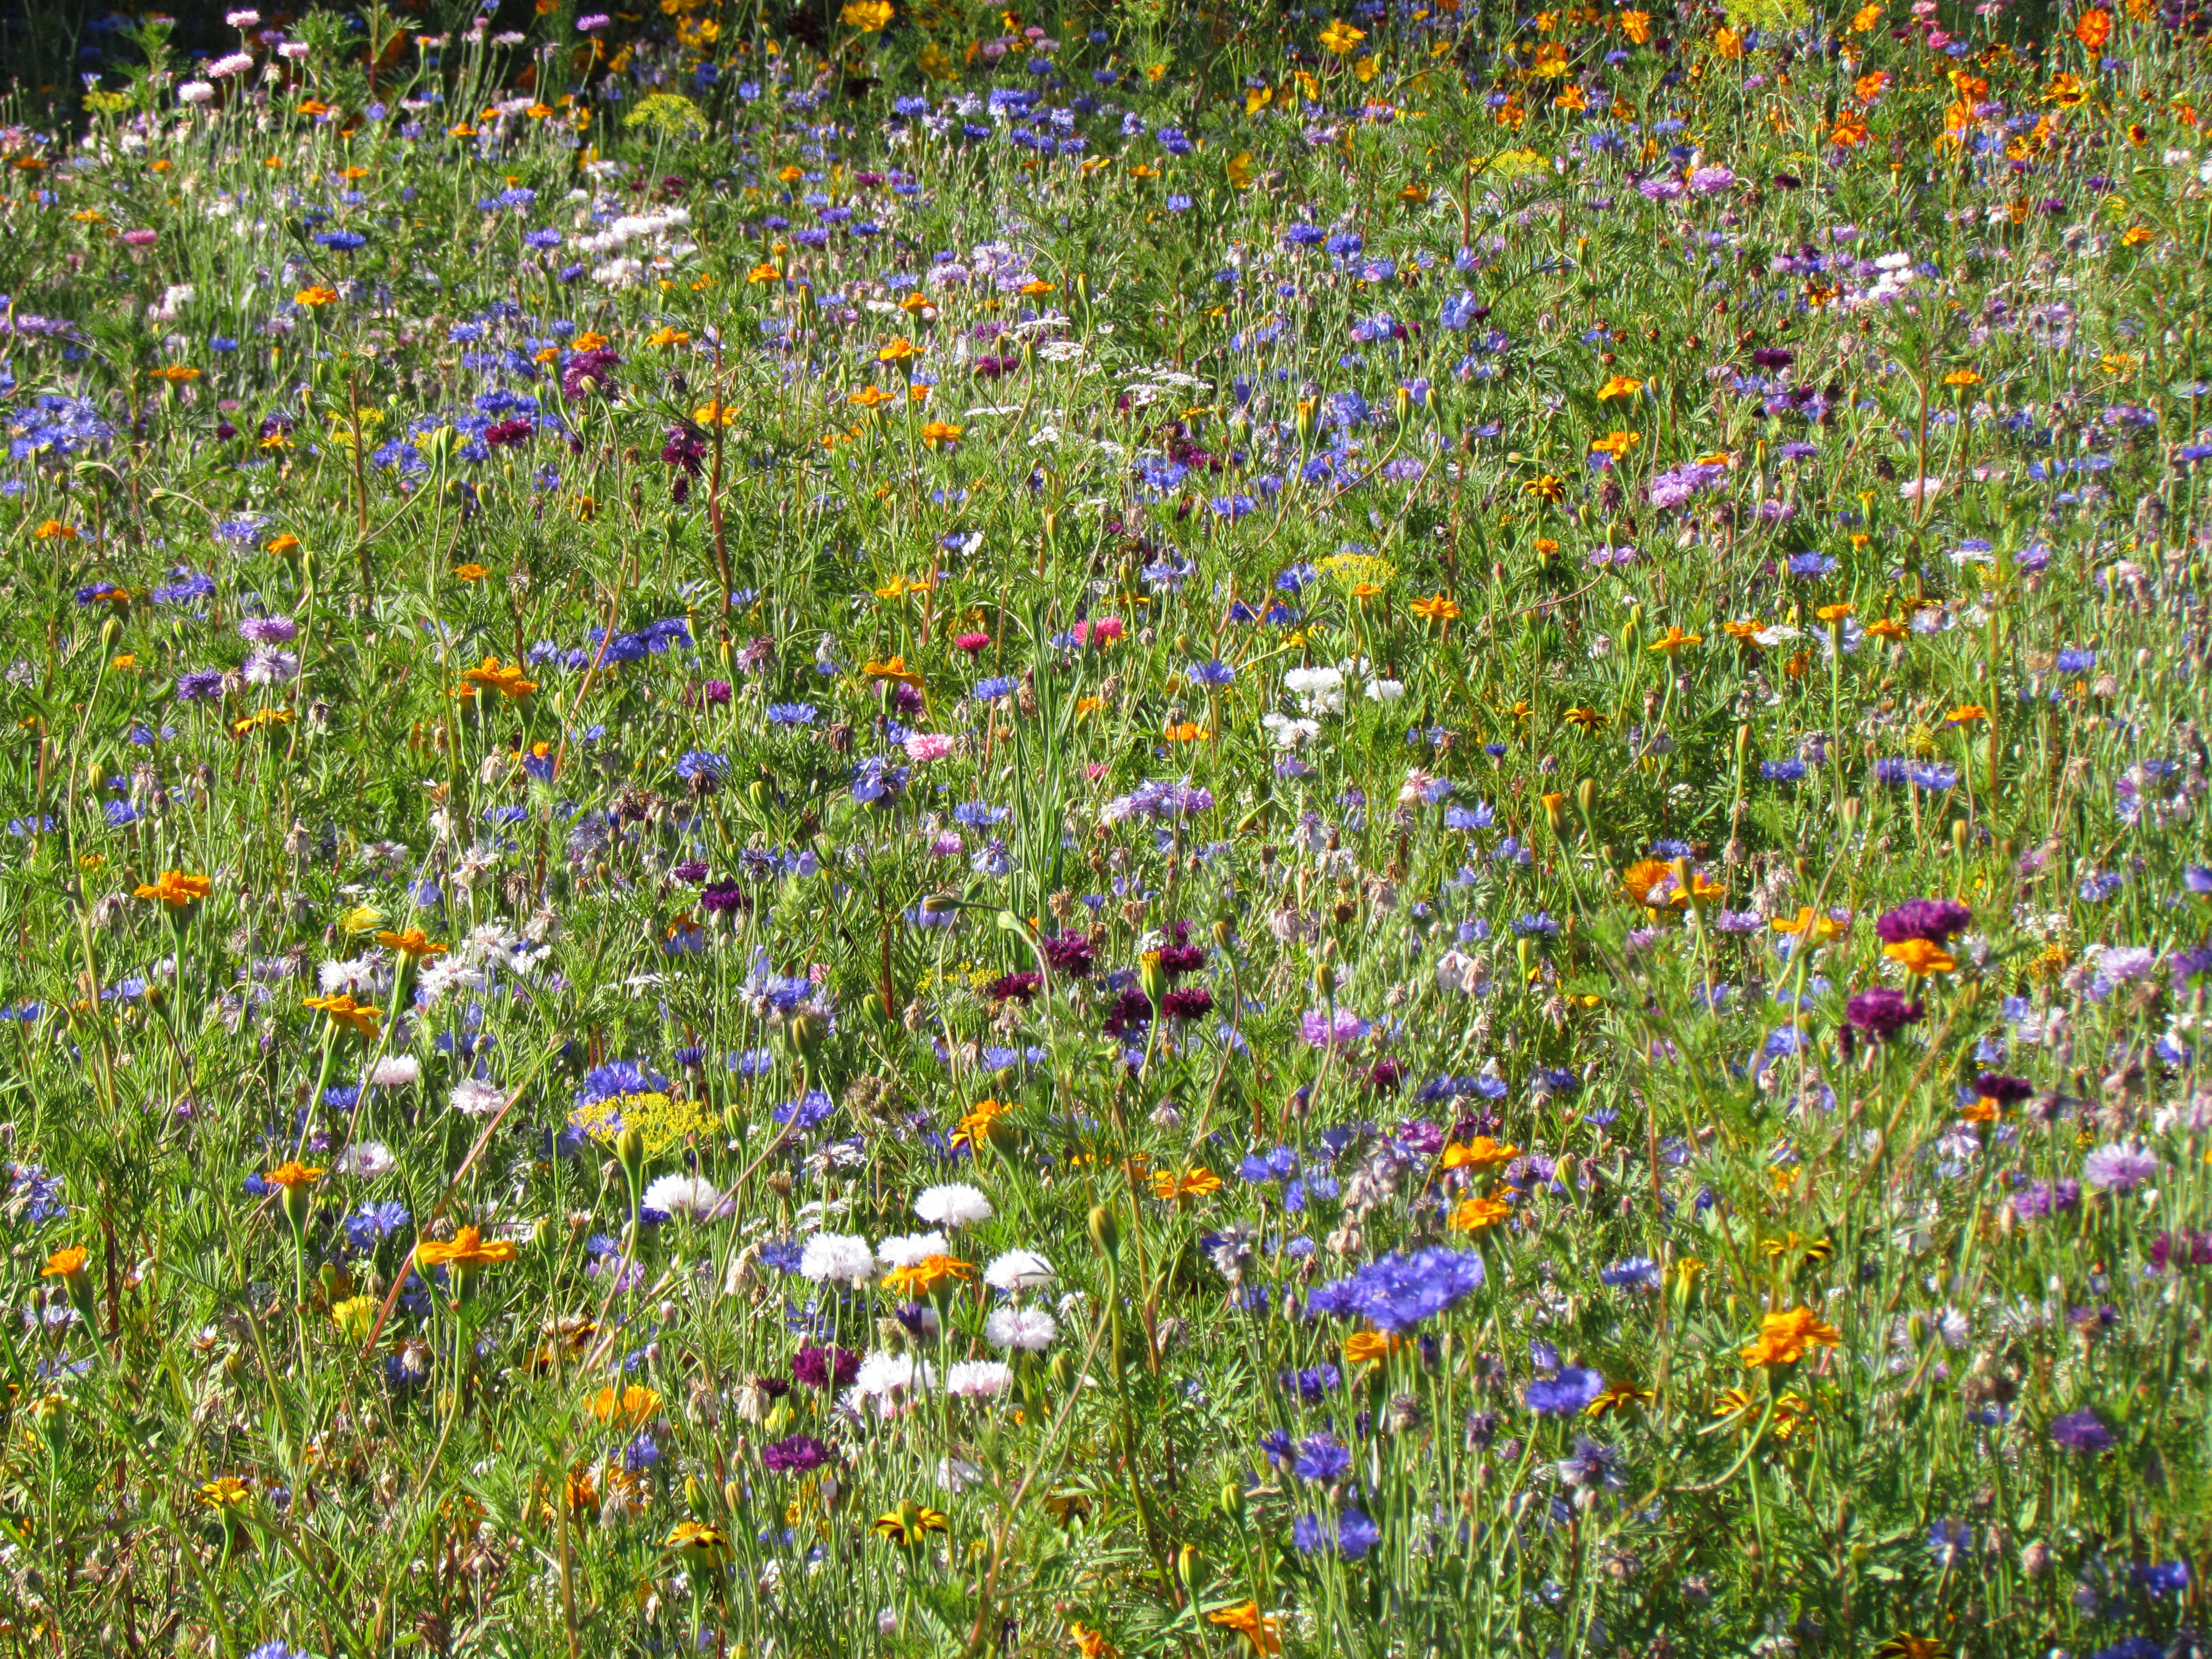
(1473,1214)
(1920,957)
(176,890)
(1784,1337)
(627,1410)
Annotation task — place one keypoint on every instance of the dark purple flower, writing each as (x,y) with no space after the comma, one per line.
(2005,1090)
(721,896)
(1188,1003)
(2081,1431)
(690,870)
(825,1367)
(1131,1009)
(716,691)
(1069,953)
(798,1455)
(2044,1199)
(1177,960)
(597,367)
(1880,1012)
(1013,988)
(1933,919)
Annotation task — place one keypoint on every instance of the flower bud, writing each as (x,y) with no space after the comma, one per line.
(1153,976)
(1232,1499)
(629,1152)
(1105,1231)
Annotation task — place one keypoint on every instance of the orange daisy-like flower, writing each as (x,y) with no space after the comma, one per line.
(1196,1182)
(974,1127)
(900,350)
(1649,882)
(316,297)
(938,434)
(628,1408)
(344,1011)
(1674,640)
(1966,713)
(1814,924)
(1473,1215)
(466,1249)
(1785,1337)
(1441,607)
(1889,628)
(67,1265)
(871,397)
(413,943)
(509,682)
(1920,957)
(1363,1345)
(1588,719)
(1619,386)
(1480,1154)
(1247,1621)
(176,890)
(918,1278)
(292,1173)
(895,669)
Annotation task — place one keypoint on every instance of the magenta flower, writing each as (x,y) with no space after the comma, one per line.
(1321,1029)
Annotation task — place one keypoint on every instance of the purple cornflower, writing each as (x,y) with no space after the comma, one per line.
(798,1455)
(825,1367)
(2118,1169)
(1881,1013)
(1563,1395)
(2081,1431)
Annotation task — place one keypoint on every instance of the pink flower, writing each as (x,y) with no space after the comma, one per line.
(1100,632)
(1320,1030)
(971,643)
(928,746)
(140,238)
(1095,770)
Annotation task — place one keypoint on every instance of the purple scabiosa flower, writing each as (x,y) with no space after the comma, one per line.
(2119,1169)
(1881,1013)
(826,1366)
(2082,1431)
(799,1453)
(1933,919)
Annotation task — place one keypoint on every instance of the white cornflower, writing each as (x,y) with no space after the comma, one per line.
(365,1158)
(837,1259)
(195,91)
(356,976)
(1030,1329)
(442,974)
(474,1098)
(395,1070)
(1018,1270)
(979,1379)
(693,1198)
(953,1206)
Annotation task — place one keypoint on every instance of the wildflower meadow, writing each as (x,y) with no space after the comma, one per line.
(894,829)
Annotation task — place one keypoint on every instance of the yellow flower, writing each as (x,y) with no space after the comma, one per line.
(1966,713)
(355,1317)
(1620,385)
(1588,719)
(1920,957)
(1783,1337)
(1441,608)
(1615,444)
(176,890)
(910,1523)
(1546,487)
(1962,377)
(866,15)
(225,1491)
(509,682)
(1674,640)
(1340,37)
(694,1539)
(1617,1396)
(292,1173)
(895,669)
(316,297)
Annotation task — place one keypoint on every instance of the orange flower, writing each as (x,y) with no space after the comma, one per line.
(286,543)
(176,890)
(1784,1337)
(1649,882)
(1363,1345)
(2094,28)
(67,1265)
(1966,713)
(1196,1182)
(1247,1621)
(1674,640)
(1830,613)
(316,297)
(900,350)
(1480,1154)
(466,1249)
(1089,1643)
(1849,133)
(1474,1214)
(1441,608)
(632,1407)
(471,572)
(1920,957)
(895,669)
(344,1011)
(1962,377)
(53,530)
(509,682)
(1814,924)
(939,433)
(292,1173)
(872,397)
(1620,385)
(975,1127)
(413,943)
(1887,629)
(917,1279)
(1616,444)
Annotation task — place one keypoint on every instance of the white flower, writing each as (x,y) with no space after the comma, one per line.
(474,1098)
(691,1197)
(395,1070)
(1385,690)
(1289,733)
(953,1206)
(443,973)
(195,91)
(887,1379)
(905,1250)
(1031,1329)
(1456,971)
(1319,689)
(1018,1270)
(838,1259)
(366,1159)
(355,976)
(236,64)
(267,665)
(979,1379)
(241,20)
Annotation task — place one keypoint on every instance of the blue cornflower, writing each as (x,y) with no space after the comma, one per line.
(1322,1459)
